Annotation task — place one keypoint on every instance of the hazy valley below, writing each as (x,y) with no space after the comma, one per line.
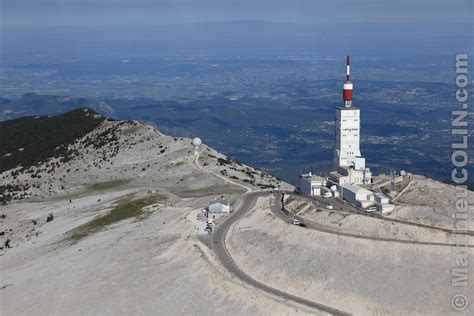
(187,168)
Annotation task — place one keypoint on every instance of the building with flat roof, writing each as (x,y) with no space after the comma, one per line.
(382,203)
(311,184)
(219,205)
(356,195)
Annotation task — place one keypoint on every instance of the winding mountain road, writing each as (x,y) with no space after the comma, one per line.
(286,216)
(348,209)
(226,260)
(248,201)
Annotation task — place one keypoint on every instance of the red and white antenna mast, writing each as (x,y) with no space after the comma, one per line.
(347,92)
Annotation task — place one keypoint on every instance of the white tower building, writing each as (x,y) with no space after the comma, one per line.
(347,127)
(348,162)
(347,136)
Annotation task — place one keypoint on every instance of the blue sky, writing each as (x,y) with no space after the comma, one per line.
(106,12)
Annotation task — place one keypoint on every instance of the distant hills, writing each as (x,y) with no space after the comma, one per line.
(240,37)
(32,104)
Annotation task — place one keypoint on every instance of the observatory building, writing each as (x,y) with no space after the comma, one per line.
(349,164)
(197,142)
(350,178)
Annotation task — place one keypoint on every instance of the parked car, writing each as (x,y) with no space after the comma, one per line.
(295,222)
(329,207)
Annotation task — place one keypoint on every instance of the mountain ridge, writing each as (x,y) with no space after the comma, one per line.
(40,155)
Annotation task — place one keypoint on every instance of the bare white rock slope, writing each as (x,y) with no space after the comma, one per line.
(106,230)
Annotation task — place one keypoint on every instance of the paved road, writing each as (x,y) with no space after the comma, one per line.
(286,216)
(248,202)
(226,260)
(346,207)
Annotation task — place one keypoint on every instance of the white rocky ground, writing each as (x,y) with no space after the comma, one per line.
(128,155)
(151,263)
(430,202)
(133,267)
(360,276)
(354,223)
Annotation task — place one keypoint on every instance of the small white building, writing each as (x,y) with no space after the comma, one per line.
(311,184)
(356,195)
(219,205)
(382,203)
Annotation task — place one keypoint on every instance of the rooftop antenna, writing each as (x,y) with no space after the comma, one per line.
(347,88)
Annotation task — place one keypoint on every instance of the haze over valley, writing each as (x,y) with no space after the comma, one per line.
(251,157)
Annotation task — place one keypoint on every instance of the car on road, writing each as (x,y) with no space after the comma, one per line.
(295,222)
(329,207)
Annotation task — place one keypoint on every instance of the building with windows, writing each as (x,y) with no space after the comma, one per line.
(219,205)
(349,164)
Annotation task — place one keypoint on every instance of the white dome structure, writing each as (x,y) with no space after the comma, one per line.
(197,142)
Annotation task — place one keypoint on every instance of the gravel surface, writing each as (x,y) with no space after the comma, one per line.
(361,276)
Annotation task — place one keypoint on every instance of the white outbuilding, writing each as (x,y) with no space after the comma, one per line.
(356,195)
(311,184)
(219,205)
(383,203)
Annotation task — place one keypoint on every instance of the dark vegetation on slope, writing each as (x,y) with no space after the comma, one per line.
(29,140)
